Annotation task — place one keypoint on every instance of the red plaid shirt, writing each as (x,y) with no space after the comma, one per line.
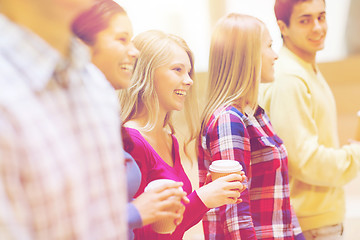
(266,207)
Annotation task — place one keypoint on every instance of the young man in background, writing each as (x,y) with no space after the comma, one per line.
(302,110)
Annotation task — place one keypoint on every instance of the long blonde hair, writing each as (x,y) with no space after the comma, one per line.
(156,50)
(234,64)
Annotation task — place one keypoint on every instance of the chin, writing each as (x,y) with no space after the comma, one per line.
(267,80)
(178,108)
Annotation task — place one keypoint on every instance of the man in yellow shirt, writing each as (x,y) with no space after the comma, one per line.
(302,109)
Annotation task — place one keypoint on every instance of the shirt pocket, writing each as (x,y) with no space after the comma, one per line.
(265,154)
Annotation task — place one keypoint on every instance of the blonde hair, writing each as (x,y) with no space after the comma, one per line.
(156,50)
(234,64)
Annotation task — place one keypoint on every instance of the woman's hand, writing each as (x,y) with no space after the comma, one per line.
(162,202)
(224,190)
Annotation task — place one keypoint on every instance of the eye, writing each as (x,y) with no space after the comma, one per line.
(177,69)
(304,21)
(122,39)
(322,18)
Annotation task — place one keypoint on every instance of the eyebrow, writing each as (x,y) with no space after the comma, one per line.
(310,15)
(181,64)
(123,33)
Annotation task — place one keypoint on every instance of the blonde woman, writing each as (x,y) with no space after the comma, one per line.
(235,127)
(162,83)
(107,30)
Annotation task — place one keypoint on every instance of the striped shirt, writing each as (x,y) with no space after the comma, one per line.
(61,162)
(266,207)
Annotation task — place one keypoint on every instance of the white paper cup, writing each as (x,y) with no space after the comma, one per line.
(357,133)
(220,168)
(167,225)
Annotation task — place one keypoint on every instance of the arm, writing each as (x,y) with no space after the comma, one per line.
(224,190)
(227,138)
(13,213)
(134,218)
(194,211)
(292,113)
(296,226)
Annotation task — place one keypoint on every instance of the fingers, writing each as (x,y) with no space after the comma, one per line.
(181,212)
(185,199)
(243,176)
(173,210)
(208,178)
(232,177)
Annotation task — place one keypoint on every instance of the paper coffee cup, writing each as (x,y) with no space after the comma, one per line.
(166,225)
(220,168)
(357,133)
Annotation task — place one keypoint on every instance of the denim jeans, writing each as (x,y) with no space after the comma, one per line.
(333,232)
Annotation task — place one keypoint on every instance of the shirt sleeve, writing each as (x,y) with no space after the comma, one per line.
(134,218)
(13,213)
(194,212)
(296,226)
(291,115)
(227,138)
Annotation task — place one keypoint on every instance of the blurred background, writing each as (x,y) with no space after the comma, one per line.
(339,61)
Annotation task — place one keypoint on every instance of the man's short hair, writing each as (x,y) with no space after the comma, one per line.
(284,8)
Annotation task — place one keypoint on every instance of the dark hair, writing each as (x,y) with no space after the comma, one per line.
(88,24)
(96,19)
(284,8)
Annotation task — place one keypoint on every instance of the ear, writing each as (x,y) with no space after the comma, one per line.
(283,28)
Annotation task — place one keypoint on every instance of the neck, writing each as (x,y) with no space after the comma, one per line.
(143,118)
(54,30)
(305,56)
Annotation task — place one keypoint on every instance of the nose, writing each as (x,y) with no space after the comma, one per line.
(317,25)
(188,81)
(276,56)
(133,51)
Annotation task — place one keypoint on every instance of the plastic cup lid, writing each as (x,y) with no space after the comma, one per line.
(224,166)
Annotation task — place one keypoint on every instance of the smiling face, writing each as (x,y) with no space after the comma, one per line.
(172,80)
(268,57)
(307,29)
(114,53)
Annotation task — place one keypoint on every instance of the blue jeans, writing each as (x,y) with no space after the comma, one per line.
(333,232)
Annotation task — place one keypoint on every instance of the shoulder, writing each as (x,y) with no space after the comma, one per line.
(226,120)
(136,138)
(290,71)
(224,115)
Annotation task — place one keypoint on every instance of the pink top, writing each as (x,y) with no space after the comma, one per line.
(152,167)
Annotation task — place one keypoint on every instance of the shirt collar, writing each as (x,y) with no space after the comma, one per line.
(250,112)
(35,57)
(284,50)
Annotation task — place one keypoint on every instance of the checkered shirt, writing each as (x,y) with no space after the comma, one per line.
(61,163)
(266,207)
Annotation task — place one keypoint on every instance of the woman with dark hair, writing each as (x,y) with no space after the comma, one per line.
(107,31)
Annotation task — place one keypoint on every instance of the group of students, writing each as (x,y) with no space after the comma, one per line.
(63,140)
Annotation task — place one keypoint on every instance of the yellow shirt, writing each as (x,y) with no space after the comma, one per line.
(302,110)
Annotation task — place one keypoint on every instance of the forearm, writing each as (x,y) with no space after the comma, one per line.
(194,212)
(134,218)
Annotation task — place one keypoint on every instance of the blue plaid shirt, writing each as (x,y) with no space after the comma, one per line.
(266,208)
